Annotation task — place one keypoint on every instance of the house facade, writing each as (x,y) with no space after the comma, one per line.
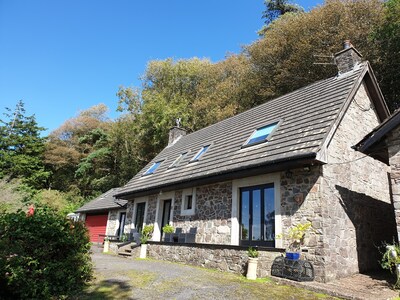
(383,144)
(104,216)
(247,179)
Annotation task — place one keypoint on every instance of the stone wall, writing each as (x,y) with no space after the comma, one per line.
(112,223)
(212,216)
(355,204)
(151,209)
(301,203)
(393,142)
(221,257)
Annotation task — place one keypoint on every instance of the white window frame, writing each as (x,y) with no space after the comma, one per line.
(253,181)
(188,192)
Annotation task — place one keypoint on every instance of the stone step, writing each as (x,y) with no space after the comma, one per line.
(124,254)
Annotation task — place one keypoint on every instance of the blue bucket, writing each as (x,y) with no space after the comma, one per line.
(293,255)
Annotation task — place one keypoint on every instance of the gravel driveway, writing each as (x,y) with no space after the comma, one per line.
(127,278)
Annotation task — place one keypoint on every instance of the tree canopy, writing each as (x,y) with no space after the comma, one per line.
(89,153)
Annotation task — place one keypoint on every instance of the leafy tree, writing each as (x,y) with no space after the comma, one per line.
(44,255)
(22,148)
(387,39)
(277,8)
(284,59)
(65,148)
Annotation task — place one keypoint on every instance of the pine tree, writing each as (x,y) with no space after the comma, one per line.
(22,147)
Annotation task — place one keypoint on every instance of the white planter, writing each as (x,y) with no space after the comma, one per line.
(252,268)
(143,250)
(106,246)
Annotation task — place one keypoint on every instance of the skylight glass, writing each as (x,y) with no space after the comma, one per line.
(261,134)
(153,168)
(178,160)
(200,153)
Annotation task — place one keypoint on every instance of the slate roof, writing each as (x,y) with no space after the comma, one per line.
(104,202)
(306,117)
(373,143)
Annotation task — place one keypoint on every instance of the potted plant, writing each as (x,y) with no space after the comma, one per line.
(252,263)
(391,261)
(106,247)
(295,236)
(168,230)
(147,233)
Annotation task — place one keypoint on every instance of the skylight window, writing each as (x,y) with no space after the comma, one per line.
(261,134)
(153,168)
(178,160)
(200,153)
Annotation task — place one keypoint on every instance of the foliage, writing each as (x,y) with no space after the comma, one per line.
(11,195)
(285,58)
(168,229)
(22,148)
(252,252)
(391,260)
(146,234)
(296,235)
(277,8)
(386,39)
(44,255)
(71,144)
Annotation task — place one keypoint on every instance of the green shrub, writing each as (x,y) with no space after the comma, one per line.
(147,233)
(168,229)
(43,256)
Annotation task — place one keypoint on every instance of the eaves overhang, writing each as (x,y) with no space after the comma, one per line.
(297,161)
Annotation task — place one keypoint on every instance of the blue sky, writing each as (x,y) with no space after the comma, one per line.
(64,56)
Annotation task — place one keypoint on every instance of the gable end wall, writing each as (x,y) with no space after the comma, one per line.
(357,212)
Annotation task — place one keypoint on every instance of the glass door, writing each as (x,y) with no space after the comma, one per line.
(166,213)
(257,215)
(122,218)
(139,220)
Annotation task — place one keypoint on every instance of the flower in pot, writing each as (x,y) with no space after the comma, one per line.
(295,236)
(168,230)
(147,233)
(252,263)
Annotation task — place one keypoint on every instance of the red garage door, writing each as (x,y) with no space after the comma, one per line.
(97,225)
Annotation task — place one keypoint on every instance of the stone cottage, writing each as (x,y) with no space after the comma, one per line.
(246,179)
(383,144)
(104,216)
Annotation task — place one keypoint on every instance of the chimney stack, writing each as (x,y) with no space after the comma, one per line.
(175,133)
(348,58)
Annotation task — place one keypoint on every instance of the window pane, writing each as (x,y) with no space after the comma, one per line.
(261,134)
(256,226)
(269,214)
(200,153)
(188,202)
(245,217)
(153,168)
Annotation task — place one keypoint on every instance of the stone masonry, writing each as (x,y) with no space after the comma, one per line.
(356,210)
(220,257)
(393,142)
(212,216)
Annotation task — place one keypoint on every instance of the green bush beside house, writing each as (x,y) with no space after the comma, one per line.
(44,255)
